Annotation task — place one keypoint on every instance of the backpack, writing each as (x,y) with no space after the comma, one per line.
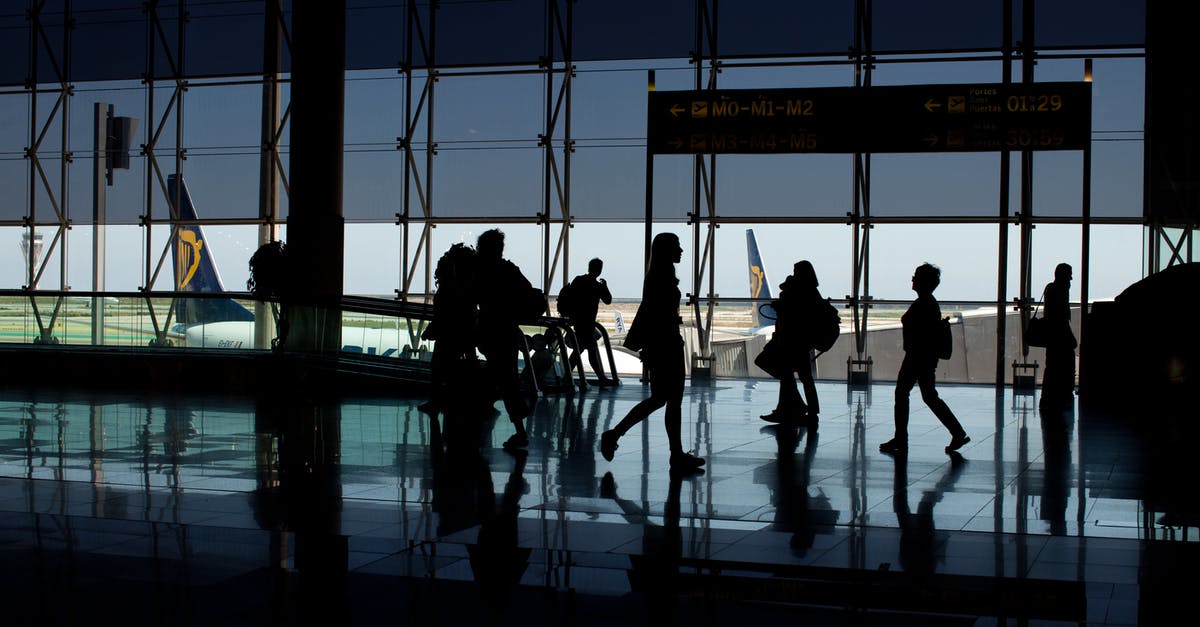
(945,339)
(826,326)
(565,303)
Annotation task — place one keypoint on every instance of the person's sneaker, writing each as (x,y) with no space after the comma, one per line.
(608,444)
(957,442)
(783,416)
(686,460)
(775,417)
(894,446)
(516,441)
(686,464)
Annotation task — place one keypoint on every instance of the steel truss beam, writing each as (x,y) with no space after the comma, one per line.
(417,210)
(1178,248)
(556,183)
(59,59)
(155,36)
(421,31)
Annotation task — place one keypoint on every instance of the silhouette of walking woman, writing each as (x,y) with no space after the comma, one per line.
(921,335)
(1058,380)
(655,333)
(498,282)
(796,308)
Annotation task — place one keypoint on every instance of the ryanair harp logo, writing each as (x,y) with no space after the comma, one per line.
(187,257)
(756,281)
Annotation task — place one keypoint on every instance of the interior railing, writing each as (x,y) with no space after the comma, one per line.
(379,330)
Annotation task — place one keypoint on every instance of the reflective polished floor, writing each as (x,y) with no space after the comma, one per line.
(279,511)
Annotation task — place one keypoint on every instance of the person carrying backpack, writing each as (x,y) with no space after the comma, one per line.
(587,291)
(923,337)
(498,285)
(798,308)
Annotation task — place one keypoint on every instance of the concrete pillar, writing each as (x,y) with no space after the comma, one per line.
(315,237)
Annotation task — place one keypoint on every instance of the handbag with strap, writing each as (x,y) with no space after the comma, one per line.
(1035,330)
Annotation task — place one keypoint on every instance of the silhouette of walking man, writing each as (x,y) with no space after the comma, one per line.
(588,291)
(796,307)
(655,333)
(921,336)
(1058,380)
(498,282)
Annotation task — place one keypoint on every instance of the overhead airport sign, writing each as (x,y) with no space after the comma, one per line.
(909,118)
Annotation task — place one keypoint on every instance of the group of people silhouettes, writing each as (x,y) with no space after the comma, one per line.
(473,308)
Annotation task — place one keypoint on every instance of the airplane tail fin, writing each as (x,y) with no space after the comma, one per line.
(764,313)
(619,322)
(194,267)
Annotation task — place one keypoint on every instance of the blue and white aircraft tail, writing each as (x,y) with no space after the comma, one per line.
(760,287)
(195,270)
(223,322)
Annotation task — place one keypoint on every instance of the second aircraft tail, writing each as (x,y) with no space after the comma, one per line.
(760,287)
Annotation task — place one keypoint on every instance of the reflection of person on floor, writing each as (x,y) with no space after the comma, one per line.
(655,333)
(1057,426)
(577,451)
(656,571)
(797,512)
(921,336)
(497,282)
(496,558)
(589,290)
(798,301)
(919,540)
(1058,379)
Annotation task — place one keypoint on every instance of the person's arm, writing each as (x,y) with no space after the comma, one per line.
(605,295)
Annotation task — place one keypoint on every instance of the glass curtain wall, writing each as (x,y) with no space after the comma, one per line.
(531,117)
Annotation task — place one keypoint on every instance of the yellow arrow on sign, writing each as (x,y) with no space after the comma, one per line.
(931,139)
(676,110)
(676,143)
(930,105)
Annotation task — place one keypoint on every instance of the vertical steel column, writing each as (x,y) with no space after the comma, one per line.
(1085,246)
(545,141)
(1025,219)
(150,9)
(269,162)
(31,84)
(101,114)
(649,222)
(1003,215)
(858,370)
(66,90)
(704,186)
